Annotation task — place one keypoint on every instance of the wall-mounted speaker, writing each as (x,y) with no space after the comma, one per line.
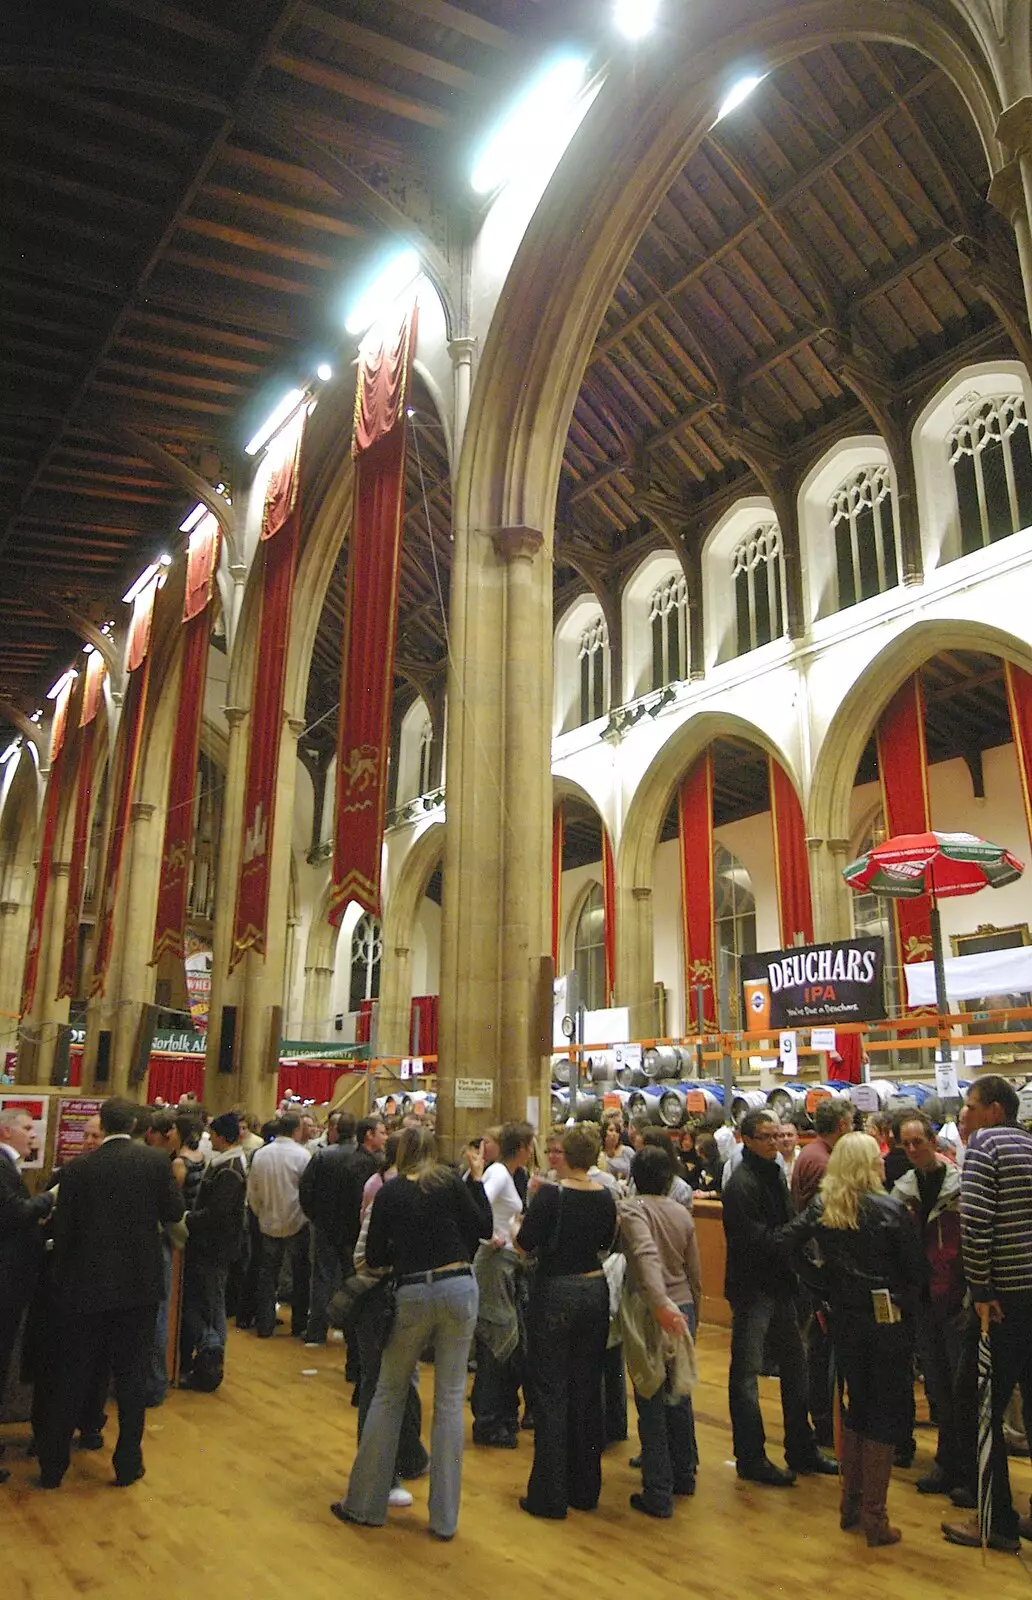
(102,1070)
(140,1064)
(61,1066)
(272,1044)
(227,1039)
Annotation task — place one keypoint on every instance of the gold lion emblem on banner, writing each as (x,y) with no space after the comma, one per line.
(360,773)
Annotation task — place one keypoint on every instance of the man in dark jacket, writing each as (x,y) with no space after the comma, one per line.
(331,1199)
(21,1238)
(760,1287)
(216,1231)
(109,1277)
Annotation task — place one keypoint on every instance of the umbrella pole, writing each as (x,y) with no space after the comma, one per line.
(942,1004)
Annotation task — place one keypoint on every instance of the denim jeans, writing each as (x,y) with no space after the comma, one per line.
(295,1246)
(769,1321)
(567,1329)
(325,1282)
(442,1313)
(157,1377)
(1011,1344)
(940,1342)
(669,1453)
(371,1326)
(204,1309)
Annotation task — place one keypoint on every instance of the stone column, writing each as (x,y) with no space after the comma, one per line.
(1011,188)
(495,931)
(131,978)
(14,925)
(47,1012)
(635,957)
(220,1089)
(461,352)
(832,917)
(395,1001)
(318,996)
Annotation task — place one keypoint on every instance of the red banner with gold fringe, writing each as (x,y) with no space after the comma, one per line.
(127,752)
(177,847)
(46,854)
(903,769)
(608,915)
(695,831)
(1019,700)
(370,619)
(281,533)
(791,860)
(81,828)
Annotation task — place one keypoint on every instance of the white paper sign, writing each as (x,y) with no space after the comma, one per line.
(474,1094)
(973,1055)
(405,1070)
(533,1110)
(822,1038)
(864,1096)
(946,1085)
(626,1055)
(788,1053)
(417,1066)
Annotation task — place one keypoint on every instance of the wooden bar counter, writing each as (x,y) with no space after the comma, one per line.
(709,1229)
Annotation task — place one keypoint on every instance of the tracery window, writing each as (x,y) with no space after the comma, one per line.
(992,469)
(592,653)
(589,957)
(366,954)
(756,573)
(862,517)
(734,916)
(426,756)
(668,621)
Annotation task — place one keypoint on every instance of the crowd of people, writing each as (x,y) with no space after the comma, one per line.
(851,1256)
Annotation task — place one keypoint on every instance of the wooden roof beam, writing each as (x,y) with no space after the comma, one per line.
(363,90)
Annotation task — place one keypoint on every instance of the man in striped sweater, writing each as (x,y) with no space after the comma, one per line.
(996,1238)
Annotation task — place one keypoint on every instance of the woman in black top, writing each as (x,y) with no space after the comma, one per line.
(568,1227)
(871,1272)
(425,1225)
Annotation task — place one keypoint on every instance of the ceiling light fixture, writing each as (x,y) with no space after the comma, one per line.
(738,94)
(635,18)
(324,372)
(286,408)
(146,576)
(10,753)
(65,681)
(190,522)
(389,284)
(527,131)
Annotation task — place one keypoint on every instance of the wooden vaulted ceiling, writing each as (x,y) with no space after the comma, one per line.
(188,190)
(820,216)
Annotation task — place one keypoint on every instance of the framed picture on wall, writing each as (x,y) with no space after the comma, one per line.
(983,941)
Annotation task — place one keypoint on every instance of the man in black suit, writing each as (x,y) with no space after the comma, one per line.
(21,1238)
(108,1272)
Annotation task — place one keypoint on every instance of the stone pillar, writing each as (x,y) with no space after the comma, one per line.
(832,917)
(47,1012)
(1011,188)
(461,352)
(395,1011)
(318,995)
(131,978)
(220,1089)
(14,930)
(495,915)
(635,957)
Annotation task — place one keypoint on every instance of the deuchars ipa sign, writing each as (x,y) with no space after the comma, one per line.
(813,984)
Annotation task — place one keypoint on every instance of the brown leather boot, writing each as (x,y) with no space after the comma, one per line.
(851,1473)
(876,1462)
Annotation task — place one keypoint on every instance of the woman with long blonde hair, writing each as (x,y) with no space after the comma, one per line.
(872,1269)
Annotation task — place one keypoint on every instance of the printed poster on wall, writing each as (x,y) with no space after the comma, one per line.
(38,1107)
(72,1117)
(814,983)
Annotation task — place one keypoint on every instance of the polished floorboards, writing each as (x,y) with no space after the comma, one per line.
(235,1505)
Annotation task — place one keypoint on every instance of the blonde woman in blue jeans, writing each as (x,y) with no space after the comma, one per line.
(426,1226)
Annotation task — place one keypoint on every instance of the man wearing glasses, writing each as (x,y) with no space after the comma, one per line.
(760,1287)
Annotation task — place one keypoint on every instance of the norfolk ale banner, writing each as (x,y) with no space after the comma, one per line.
(813,984)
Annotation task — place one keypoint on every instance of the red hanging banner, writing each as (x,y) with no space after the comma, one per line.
(370,619)
(46,854)
(1019,699)
(695,830)
(281,532)
(127,752)
(81,829)
(177,846)
(903,768)
(608,915)
(558,831)
(791,860)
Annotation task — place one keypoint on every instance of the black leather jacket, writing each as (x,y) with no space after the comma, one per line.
(843,1265)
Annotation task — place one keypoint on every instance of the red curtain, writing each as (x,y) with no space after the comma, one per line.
(81,829)
(171,1076)
(364,1021)
(695,830)
(281,528)
(177,847)
(127,751)
(903,767)
(608,915)
(848,1068)
(791,861)
(46,854)
(310,1082)
(1019,699)
(370,618)
(74,1069)
(425,1007)
(558,830)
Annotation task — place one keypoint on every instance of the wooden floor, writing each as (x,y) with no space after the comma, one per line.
(238,1484)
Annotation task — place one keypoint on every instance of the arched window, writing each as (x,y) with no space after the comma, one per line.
(366,951)
(873,919)
(426,756)
(668,620)
(734,916)
(208,787)
(992,468)
(862,517)
(756,576)
(592,652)
(589,957)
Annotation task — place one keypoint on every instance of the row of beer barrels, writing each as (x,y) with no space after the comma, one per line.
(670,1105)
(659,1061)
